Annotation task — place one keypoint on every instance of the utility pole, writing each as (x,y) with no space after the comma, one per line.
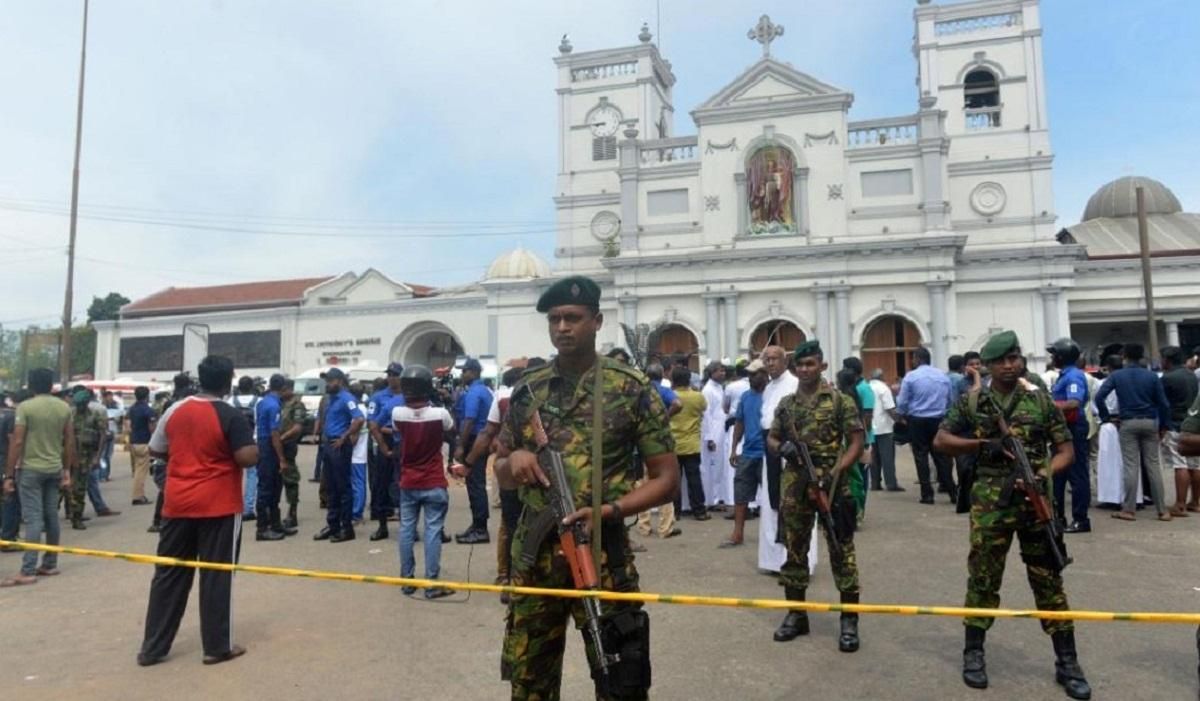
(64,357)
(1147,280)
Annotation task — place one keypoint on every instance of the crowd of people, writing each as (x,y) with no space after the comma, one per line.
(768,438)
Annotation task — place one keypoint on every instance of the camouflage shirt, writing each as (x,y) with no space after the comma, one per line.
(1191,422)
(634,417)
(293,413)
(823,421)
(91,425)
(1031,416)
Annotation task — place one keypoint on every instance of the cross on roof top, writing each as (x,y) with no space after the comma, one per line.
(765,32)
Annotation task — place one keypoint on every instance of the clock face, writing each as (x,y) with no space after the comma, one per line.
(605,225)
(605,120)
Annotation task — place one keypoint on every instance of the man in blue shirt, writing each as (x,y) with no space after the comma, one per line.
(748,464)
(471,412)
(924,398)
(1144,419)
(1070,394)
(339,427)
(383,468)
(267,413)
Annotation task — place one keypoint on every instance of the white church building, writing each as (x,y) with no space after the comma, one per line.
(777,218)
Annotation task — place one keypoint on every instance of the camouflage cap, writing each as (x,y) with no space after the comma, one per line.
(575,289)
(807,348)
(998,346)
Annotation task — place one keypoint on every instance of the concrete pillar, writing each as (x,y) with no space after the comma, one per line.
(1050,313)
(732,342)
(628,174)
(712,327)
(628,310)
(1173,333)
(823,331)
(937,320)
(934,146)
(493,333)
(841,296)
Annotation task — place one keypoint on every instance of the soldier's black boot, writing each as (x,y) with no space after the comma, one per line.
(380,533)
(974,672)
(796,622)
(278,525)
(848,640)
(264,530)
(291,521)
(1067,671)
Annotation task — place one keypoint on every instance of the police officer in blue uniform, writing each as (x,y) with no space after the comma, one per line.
(470,416)
(267,414)
(1070,394)
(383,469)
(344,418)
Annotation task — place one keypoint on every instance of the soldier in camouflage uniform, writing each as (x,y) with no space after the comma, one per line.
(91,427)
(562,393)
(998,511)
(826,421)
(291,425)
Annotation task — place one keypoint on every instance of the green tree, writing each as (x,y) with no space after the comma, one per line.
(106,308)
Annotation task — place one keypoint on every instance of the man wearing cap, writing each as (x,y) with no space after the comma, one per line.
(342,421)
(746,450)
(471,412)
(562,394)
(383,468)
(998,511)
(291,426)
(827,422)
(267,419)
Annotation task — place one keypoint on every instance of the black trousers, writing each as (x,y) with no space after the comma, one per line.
(339,496)
(381,473)
(208,539)
(477,490)
(774,472)
(270,485)
(690,465)
(921,432)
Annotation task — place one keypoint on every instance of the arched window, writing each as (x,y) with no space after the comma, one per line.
(981,99)
(776,332)
(888,343)
(672,340)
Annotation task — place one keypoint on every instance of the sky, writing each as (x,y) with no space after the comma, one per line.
(234,140)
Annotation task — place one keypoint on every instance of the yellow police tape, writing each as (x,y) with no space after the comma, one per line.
(682,599)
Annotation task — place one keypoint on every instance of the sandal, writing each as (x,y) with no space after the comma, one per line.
(1179,512)
(47,572)
(730,544)
(1124,516)
(18,581)
(1165,516)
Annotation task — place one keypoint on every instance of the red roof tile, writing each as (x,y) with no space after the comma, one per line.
(216,297)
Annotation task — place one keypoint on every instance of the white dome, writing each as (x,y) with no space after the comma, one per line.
(518,264)
(1119,199)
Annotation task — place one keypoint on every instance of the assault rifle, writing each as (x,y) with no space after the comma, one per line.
(819,497)
(1042,509)
(575,543)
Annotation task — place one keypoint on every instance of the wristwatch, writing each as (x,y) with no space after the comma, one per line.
(616,516)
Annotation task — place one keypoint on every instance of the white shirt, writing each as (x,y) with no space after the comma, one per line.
(733,393)
(777,389)
(359,456)
(881,421)
(501,394)
(714,416)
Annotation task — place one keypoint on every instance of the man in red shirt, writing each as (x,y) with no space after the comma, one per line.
(207,443)
(420,429)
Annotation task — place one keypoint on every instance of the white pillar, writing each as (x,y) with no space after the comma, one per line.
(627,172)
(823,332)
(937,320)
(1173,333)
(712,328)
(628,310)
(493,334)
(731,327)
(841,296)
(1050,313)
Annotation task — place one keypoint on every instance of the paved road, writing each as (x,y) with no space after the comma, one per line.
(75,636)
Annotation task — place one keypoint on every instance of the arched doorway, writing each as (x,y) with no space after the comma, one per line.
(776,332)
(888,343)
(674,339)
(427,343)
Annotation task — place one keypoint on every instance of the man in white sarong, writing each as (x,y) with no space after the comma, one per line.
(733,394)
(714,463)
(771,554)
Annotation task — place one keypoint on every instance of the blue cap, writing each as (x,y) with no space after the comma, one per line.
(395,369)
(472,364)
(333,374)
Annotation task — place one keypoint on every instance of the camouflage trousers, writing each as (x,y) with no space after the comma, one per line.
(76,498)
(535,634)
(290,474)
(797,516)
(992,530)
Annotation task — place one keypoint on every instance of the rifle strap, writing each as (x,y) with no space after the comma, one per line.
(597,457)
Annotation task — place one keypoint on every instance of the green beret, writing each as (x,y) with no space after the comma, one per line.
(576,289)
(998,346)
(810,347)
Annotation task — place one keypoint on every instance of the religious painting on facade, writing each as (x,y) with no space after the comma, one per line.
(769,183)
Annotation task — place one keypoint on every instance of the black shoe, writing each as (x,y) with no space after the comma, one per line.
(445,538)
(380,533)
(268,534)
(876,488)
(1067,671)
(141,501)
(702,516)
(752,514)
(342,536)
(291,521)
(974,672)
(926,500)
(77,524)
(437,593)
(249,517)
(282,527)
(897,488)
(407,590)
(730,516)
(324,534)
(1077,527)
(473,538)
(145,660)
(953,492)
(154,528)
(848,640)
(795,624)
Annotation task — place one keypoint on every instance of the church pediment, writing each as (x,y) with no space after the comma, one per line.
(771,87)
